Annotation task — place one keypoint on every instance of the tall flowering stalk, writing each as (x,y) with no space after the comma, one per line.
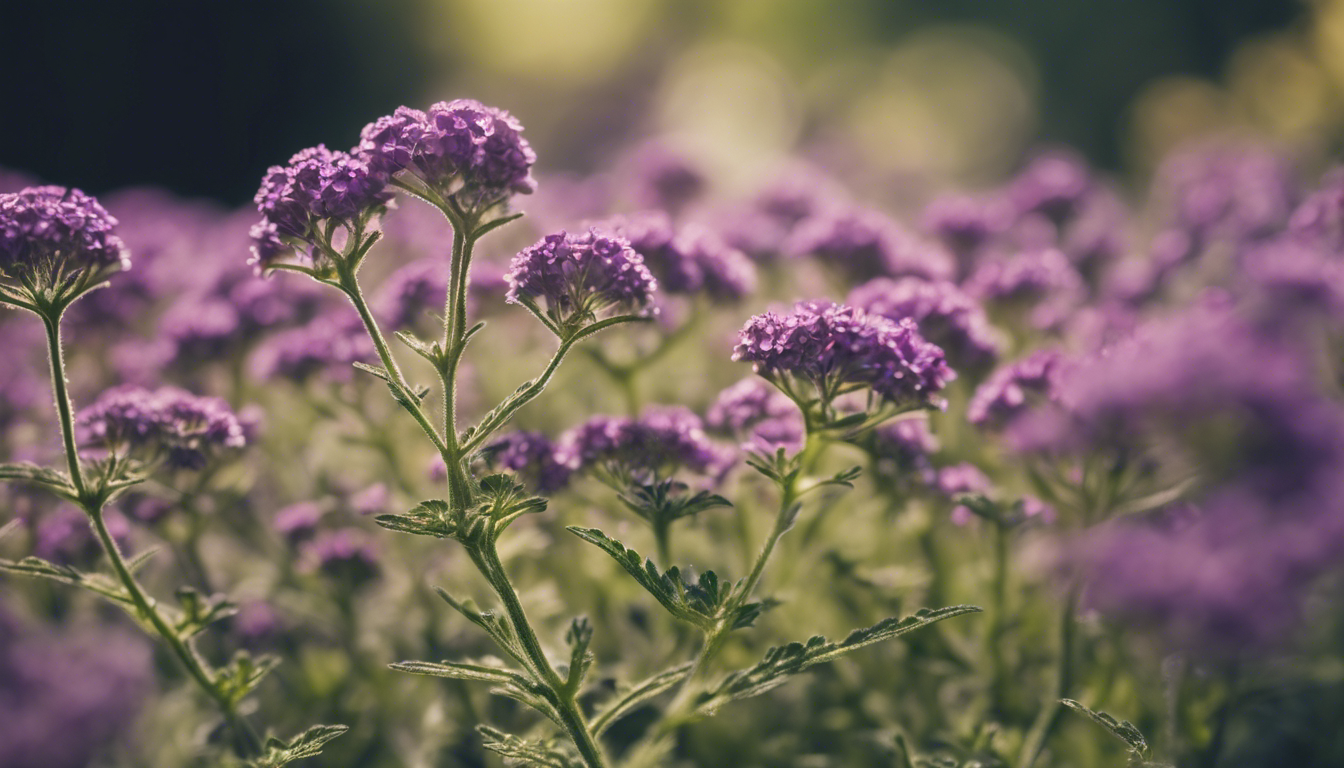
(468,160)
(57,245)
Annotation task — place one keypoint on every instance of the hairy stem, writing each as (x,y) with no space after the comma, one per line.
(246,742)
(1051,712)
(486,558)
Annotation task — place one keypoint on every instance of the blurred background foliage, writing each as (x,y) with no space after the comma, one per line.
(199,98)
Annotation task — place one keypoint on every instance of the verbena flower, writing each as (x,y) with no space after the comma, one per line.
(905,446)
(53,237)
(1043,280)
(1010,389)
(946,315)
(298,522)
(759,415)
(531,455)
(297,201)
(1320,217)
(345,555)
(966,224)
(577,276)
(412,292)
(862,244)
(838,348)
(1225,191)
(664,179)
(661,442)
(327,346)
(761,227)
(694,260)
(964,477)
(169,424)
(1053,184)
(462,149)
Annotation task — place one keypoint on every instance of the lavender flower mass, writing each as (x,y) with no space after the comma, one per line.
(637,390)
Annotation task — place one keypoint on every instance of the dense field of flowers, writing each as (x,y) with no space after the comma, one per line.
(383,472)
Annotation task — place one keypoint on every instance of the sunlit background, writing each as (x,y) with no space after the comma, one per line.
(105,95)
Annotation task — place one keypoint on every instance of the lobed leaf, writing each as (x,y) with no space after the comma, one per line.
(667,588)
(518,751)
(307,744)
(638,694)
(782,662)
(1121,729)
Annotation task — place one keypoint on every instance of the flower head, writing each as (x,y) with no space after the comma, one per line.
(863,244)
(49,235)
(461,149)
(579,275)
(345,555)
(1005,393)
(945,314)
(759,414)
(832,346)
(656,445)
(533,456)
(171,424)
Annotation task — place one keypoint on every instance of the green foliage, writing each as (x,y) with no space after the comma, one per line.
(502,500)
(665,502)
(1124,730)
(26,472)
(705,603)
(242,675)
(782,662)
(198,612)
(516,751)
(307,744)
(637,694)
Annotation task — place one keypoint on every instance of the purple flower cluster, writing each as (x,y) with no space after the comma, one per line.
(946,315)
(412,292)
(345,555)
(461,148)
(833,346)
(579,275)
(531,455)
(65,537)
(758,414)
(1043,279)
(691,261)
(64,698)
(664,178)
(48,233)
(168,423)
(328,346)
(657,444)
(1005,393)
(761,227)
(907,444)
(863,243)
(317,185)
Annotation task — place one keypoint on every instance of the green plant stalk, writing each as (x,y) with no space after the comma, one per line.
(485,556)
(998,622)
(1051,712)
(486,559)
(246,742)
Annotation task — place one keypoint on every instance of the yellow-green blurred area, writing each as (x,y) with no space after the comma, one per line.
(202,99)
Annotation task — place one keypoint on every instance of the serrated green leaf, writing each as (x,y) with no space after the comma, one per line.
(36,567)
(243,674)
(782,662)
(667,588)
(518,751)
(280,753)
(198,612)
(638,694)
(429,518)
(481,672)
(27,472)
(1121,729)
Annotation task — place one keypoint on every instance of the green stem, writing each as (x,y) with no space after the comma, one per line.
(1051,712)
(486,558)
(505,410)
(998,620)
(246,741)
(63,409)
(350,286)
